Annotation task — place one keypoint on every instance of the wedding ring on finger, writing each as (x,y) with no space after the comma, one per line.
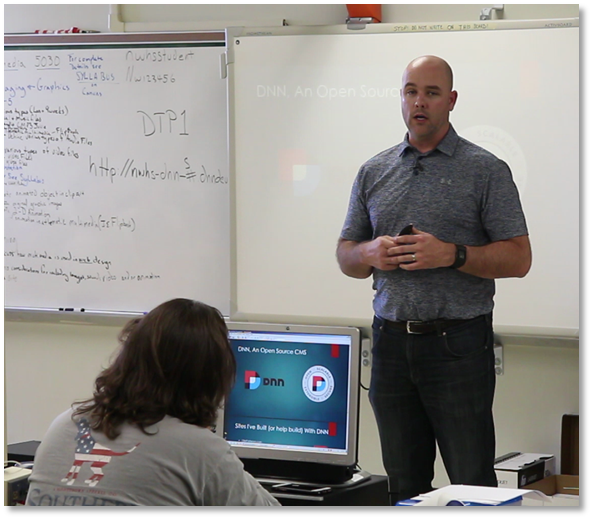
(414,257)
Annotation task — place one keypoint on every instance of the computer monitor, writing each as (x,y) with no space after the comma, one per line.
(293,411)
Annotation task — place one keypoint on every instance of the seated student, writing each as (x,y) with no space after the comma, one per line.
(144,438)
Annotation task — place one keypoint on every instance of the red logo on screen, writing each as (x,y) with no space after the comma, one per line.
(252,380)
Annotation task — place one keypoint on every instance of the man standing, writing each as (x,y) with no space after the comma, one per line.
(433,377)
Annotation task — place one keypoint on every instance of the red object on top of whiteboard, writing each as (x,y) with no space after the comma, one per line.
(373,11)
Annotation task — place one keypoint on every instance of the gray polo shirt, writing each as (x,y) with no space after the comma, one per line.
(458,192)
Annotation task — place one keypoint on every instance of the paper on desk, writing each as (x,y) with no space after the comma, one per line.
(475,494)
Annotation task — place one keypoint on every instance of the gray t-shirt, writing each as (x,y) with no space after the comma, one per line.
(458,192)
(181,465)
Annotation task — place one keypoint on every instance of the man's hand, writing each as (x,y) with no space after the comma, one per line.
(359,259)
(499,259)
(422,250)
(376,253)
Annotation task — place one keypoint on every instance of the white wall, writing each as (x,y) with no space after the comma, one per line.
(47,366)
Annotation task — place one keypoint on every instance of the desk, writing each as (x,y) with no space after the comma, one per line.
(372,492)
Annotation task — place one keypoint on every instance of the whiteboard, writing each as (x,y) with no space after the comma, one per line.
(116,182)
(308,110)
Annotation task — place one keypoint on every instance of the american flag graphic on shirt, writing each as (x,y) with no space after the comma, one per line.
(85,440)
(88,450)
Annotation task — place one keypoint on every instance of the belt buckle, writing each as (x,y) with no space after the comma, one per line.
(411,323)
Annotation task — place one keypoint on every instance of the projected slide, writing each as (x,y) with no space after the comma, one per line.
(289,395)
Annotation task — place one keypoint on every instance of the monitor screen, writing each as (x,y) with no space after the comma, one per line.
(296,395)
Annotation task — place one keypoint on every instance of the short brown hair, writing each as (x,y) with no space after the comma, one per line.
(174,361)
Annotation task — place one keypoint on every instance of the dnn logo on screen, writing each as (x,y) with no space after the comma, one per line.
(253,380)
(318,383)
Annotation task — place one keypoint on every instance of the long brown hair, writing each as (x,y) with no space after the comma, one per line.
(175,361)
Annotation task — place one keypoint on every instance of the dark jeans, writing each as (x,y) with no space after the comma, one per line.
(435,388)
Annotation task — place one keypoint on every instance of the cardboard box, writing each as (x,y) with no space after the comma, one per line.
(564,490)
(517,469)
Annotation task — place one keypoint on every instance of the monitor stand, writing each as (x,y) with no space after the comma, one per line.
(358,477)
(299,470)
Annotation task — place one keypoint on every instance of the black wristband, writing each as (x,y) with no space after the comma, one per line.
(460,258)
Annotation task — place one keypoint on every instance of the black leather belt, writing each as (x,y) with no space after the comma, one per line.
(421,327)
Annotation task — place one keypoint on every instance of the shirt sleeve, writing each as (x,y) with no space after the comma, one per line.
(502,213)
(230,485)
(357,226)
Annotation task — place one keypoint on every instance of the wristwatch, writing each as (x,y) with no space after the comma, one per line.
(461,257)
